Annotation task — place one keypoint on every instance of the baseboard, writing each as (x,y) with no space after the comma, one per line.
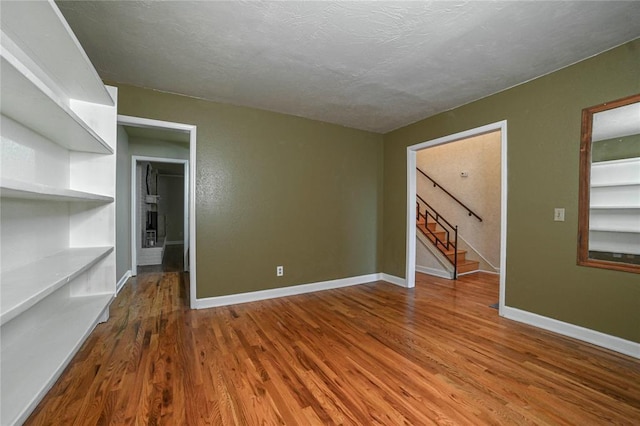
(392,279)
(488,272)
(254,296)
(607,341)
(122,281)
(434,272)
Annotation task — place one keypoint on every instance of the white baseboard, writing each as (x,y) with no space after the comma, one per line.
(122,281)
(392,279)
(434,272)
(462,274)
(232,299)
(617,344)
(253,296)
(488,272)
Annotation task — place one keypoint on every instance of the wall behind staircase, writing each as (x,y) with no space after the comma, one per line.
(480,191)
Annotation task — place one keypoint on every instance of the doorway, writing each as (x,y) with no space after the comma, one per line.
(159,209)
(174,167)
(412,151)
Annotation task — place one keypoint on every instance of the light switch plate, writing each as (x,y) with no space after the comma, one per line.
(558,214)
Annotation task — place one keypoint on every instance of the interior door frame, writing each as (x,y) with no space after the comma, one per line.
(190,201)
(411,200)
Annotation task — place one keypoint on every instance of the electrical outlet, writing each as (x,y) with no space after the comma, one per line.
(279,271)
(558,215)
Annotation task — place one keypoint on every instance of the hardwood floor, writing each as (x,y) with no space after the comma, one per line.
(368,354)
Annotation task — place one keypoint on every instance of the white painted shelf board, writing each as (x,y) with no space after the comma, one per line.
(614,207)
(56,50)
(25,286)
(10,188)
(32,364)
(27,100)
(613,229)
(614,184)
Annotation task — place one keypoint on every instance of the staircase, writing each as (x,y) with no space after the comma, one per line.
(442,233)
(437,235)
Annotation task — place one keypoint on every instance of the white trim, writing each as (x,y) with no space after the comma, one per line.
(503,217)
(607,341)
(189,188)
(434,272)
(122,281)
(392,279)
(412,150)
(462,274)
(254,296)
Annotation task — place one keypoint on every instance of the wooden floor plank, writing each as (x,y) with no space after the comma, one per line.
(367,354)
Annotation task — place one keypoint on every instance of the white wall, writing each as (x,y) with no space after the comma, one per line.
(480,191)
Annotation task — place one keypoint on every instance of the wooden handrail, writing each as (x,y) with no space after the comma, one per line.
(436,184)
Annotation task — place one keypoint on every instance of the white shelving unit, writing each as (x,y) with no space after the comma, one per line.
(614,205)
(57,212)
(10,188)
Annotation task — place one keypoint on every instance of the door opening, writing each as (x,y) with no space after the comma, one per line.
(149,227)
(412,152)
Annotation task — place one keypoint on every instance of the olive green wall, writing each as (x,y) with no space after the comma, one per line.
(543,125)
(616,149)
(273,189)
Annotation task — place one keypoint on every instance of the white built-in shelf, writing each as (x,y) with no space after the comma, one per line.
(32,361)
(25,286)
(27,100)
(10,188)
(39,29)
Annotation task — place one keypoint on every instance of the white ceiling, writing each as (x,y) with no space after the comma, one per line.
(369,65)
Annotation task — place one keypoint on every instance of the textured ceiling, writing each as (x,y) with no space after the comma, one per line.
(369,65)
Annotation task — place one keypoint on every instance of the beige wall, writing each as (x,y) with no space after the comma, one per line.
(273,189)
(480,191)
(543,121)
(426,261)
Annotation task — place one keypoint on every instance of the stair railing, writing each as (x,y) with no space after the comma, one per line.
(437,185)
(445,225)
